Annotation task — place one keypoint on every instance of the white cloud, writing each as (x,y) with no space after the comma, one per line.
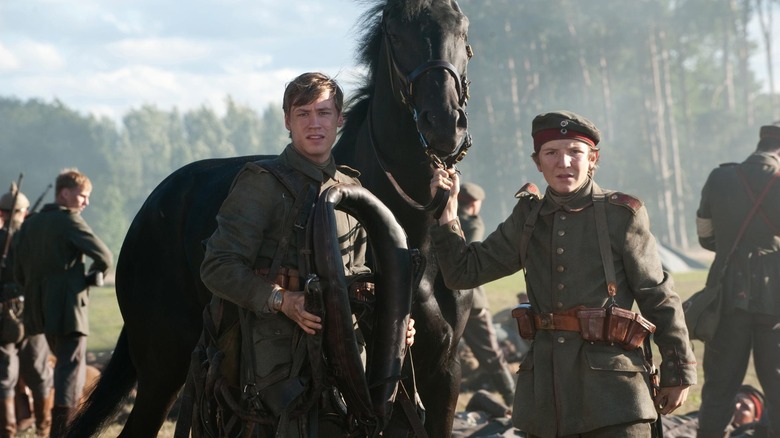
(33,55)
(8,61)
(159,51)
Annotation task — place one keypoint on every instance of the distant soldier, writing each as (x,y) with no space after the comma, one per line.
(27,356)
(750,314)
(50,268)
(480,335)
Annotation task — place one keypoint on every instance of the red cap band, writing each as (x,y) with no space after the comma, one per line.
(546,135)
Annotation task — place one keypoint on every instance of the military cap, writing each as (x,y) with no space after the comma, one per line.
(7,200)
(563,124)
(770,131)
(472,191)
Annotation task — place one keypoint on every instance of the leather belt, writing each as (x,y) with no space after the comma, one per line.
(286,278)
(567,321)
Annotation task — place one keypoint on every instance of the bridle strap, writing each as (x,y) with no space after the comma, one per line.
(439,201)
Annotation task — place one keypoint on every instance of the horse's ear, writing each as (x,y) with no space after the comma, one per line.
(455,6)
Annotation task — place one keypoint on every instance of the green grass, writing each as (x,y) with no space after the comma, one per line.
(105,321)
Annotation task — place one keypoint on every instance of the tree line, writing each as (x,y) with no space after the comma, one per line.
(669,83)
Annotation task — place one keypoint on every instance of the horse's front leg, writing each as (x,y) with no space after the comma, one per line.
(440,323)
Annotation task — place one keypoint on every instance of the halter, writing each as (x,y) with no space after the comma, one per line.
(406,90)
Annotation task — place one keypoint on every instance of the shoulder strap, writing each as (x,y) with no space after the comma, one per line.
(602,231)
(528,230)
(752,197)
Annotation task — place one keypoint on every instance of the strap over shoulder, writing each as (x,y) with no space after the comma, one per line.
(349,171)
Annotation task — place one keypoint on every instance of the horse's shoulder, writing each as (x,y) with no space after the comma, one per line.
(529,190)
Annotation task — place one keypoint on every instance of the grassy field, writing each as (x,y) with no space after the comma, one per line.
(106,322)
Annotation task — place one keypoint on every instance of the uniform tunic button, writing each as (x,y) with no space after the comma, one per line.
(560,268)
(563,217)
(559,250)
(561,286)
(559,305)
(561,233)
(561,340)
(454,227)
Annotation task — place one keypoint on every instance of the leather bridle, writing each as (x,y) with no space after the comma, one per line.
(405,84)
(406,90)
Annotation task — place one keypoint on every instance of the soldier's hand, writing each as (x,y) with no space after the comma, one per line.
(670,398)
(293,307)
(447,179)
(410,332)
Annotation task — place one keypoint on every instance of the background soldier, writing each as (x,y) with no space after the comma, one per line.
(480,335)
(50,268)
(30,357)
(750,315)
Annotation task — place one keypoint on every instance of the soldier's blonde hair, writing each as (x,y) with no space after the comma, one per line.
(71,178)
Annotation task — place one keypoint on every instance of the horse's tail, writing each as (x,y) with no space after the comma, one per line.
(106,397)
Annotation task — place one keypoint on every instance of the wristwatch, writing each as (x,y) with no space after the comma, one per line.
(277,296)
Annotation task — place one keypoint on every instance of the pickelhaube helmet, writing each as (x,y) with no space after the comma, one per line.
(7,200)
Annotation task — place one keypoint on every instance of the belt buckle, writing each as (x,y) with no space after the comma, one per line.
(547,322)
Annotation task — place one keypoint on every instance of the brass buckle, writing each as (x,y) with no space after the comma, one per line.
(546,321)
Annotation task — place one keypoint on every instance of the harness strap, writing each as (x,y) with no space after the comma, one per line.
(602,230)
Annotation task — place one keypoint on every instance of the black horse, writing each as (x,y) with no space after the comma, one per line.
(409,116)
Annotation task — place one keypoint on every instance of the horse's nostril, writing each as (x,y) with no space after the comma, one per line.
(462,119)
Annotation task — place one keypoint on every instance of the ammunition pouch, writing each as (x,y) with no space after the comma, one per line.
(602,324)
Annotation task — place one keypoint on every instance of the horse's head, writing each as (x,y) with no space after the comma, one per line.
(426,51)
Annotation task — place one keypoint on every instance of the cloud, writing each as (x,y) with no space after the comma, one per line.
(107,57)
(159,51)
(28,55)
(8,61)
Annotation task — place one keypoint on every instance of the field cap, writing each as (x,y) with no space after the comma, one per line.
(770,131)
(558,125)
(472,191)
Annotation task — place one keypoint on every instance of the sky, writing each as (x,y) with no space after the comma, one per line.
(106,57)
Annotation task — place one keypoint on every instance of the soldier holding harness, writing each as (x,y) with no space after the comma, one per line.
(588,255)
(257,260)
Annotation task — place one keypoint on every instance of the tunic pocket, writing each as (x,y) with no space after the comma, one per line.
(612,358)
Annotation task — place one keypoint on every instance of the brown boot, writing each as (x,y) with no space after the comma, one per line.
(42,408)
(60,417)
(8,418)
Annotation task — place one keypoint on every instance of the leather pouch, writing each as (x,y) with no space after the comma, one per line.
(524,315)
(618,321)
(638,330)
(592,324)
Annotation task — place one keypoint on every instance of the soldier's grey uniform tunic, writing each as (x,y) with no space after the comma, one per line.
(250,224)
(751,310)
(566,385)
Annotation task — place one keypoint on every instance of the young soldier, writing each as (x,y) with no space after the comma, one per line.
(240,256)
(587,253)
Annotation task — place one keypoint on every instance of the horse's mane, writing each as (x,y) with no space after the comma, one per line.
(369,44)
